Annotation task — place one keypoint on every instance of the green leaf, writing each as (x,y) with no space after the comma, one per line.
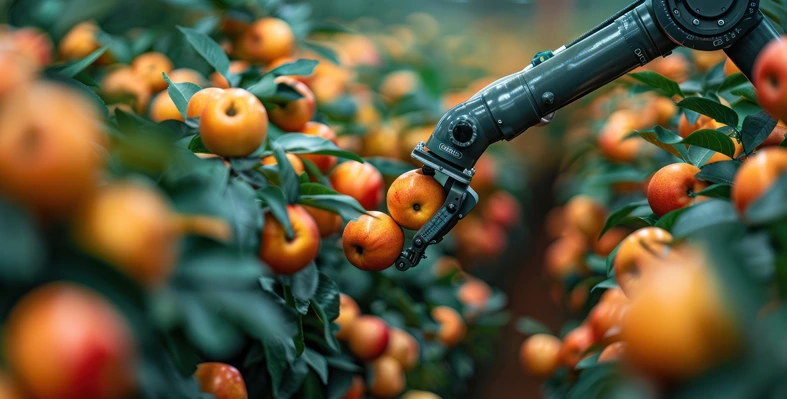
(667,221)
(206,329)
(288,179)
(279,355)
(322,51)
(87,79)
(302,308)
(733,81)
(327,296)
(328,28)
(343,109)
(293,379)
(719,172)
(529,326)
(79,66)
(704,215)
(712,109)
(618,216)
(301,67)
(588,362)
(770,207)
(211,265)
(283,95)
(277,202)
(317,363)
(210,51)
(328,333)
(75,11)
(595,263)
(611,260)
(712,140)
(240,208)
(313,171)
(664,139)
(339,383)
(298,143)
(244,164)
(699,156)
(345,206)
(722,191)
(343,363)
(197,146)
(746,92)
(654,80)
(756,128)
(606,284)
(264,88)
(23,249)
(90,95)
(255,311)
(181,93)
(305,282)
(390,167)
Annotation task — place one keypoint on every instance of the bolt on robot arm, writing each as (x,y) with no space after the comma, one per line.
(640,33)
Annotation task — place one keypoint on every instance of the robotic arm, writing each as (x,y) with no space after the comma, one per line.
(638,34)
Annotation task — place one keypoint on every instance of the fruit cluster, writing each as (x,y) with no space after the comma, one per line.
(668,250)
(182,208)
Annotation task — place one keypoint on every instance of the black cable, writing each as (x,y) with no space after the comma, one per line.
(607,22)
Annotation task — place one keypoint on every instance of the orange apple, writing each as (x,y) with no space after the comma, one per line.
(757,176)
(373,242)
(503,210)
(404,348)
(348,313)
(149,67)
(388,380)
(200,100)
(266,40)
(328,222)
(637,250)
(323,162)
(289,255)
(452,328)
(576,345)
(674,187)
(586,215)
(769,78)
(234,124)
(297,164)
(163,108)
(361,181)
(133,228)
(613,352)
(414,198)
(221,380)
(357,389)
(368,337)
(293,116)
(64,341)
(540,355)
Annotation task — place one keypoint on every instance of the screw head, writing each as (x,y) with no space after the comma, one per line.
(721,22)
(418,242)
(548,97)
(451,208)
(696,22)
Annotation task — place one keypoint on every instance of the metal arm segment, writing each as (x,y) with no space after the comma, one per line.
(744,53)
(511,105)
